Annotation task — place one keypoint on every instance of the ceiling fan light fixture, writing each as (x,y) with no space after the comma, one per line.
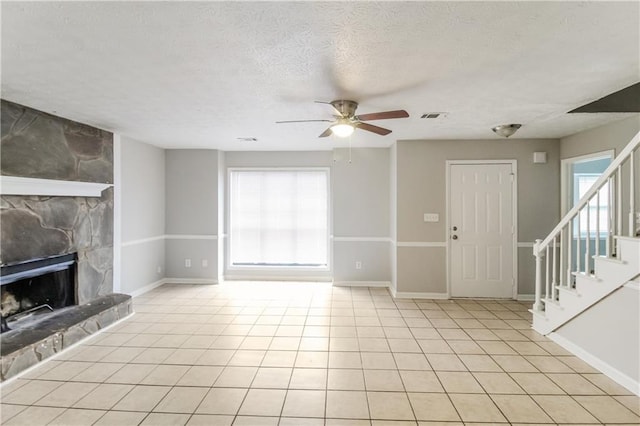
(342,129)
(506,130)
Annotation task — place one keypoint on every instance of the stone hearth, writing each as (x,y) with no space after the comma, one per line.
(39,339)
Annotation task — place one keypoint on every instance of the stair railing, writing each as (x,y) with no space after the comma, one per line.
(581,229)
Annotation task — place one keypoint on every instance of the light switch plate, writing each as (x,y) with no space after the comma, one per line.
(431,217)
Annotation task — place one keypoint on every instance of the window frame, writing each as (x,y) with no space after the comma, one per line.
(269,270)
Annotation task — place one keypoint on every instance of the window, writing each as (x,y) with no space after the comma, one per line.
(279,218)
(582,183)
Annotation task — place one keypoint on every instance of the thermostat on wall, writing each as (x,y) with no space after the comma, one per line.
(431,217)
(540,157)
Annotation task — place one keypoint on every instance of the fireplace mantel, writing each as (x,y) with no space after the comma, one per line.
(12,185)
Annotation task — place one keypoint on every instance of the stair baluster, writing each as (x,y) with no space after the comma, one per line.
(632,196)
(561,281)
(587,241)
(597,248)
(619,200)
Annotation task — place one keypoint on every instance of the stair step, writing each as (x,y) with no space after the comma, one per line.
(586,276)
(552,307)
(538,314)
(588,286)
(631,239)
(570,298)
(616,270)
(629,248)
(568,289)
(610,260)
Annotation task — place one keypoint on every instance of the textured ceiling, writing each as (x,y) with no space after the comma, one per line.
(201,75)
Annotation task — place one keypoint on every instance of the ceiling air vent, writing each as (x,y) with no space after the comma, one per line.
(248,139)
(433,115)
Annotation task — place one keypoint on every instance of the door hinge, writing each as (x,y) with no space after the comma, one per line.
(512,175)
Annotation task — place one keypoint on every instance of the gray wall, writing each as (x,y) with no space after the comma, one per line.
(142,173)
(420,186)
(361,199)
(610,331)
(192,214)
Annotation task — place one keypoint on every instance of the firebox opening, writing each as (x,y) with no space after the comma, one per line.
(36,287)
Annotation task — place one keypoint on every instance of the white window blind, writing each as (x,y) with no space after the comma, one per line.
(279,218)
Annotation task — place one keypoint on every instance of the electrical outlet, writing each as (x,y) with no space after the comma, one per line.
(159,270)
(205,263)
(187,263)
(358,264)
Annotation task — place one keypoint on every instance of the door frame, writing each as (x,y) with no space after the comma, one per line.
(514,189)
(565,165)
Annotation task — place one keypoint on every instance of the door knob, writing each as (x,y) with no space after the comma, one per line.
(455,237)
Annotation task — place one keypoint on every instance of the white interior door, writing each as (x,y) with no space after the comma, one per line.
(481,230)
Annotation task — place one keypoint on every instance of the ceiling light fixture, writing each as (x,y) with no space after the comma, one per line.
(506,130)
(343,128)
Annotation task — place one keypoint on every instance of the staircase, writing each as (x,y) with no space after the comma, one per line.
(593,251)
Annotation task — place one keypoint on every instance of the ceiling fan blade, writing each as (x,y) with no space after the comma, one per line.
(301,121)
(375,129)
(332,106)
(400,113)
(325,133)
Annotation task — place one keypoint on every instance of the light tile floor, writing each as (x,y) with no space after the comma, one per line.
(310,354)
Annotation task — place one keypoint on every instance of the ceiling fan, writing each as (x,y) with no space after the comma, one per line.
(346,120)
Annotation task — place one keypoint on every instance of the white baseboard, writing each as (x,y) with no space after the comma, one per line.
(146,288)
(606,369)
(418,295)
(384,284)
(526,297)
(190,281)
